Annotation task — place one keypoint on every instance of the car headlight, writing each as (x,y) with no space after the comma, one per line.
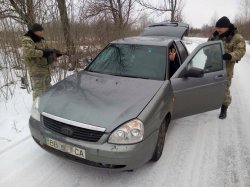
(129,133)
(34,111)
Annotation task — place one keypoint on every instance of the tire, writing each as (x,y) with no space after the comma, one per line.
(160,142)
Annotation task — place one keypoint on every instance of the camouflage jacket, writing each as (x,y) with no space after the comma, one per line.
(233,42)
(33,55)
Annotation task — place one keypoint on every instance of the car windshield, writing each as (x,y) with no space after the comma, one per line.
(138,61)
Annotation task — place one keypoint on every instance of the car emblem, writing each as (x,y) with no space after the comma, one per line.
(66,131)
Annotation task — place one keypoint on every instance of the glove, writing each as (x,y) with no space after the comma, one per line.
(227,56)
(47,52)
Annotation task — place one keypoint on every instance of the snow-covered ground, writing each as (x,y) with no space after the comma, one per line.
(200,150)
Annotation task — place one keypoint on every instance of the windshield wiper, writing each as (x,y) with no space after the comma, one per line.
(131,76)
(89,70)
(119,75)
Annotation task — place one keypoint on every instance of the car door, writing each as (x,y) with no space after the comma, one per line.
(183,53)
(196,94)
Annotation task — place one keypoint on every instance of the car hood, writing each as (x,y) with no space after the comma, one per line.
(97,99)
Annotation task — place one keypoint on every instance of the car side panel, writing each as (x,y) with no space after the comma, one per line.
(157,109)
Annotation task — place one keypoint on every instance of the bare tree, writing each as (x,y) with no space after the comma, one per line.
(12,67)
(21,11)
(174,7)
(118,10)
(242,19)
(244,14)
(143,21)
(66,30)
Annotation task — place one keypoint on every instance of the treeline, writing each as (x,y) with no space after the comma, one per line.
(244,28)
(88,39)
(78,28)
(207,30)
(241,21)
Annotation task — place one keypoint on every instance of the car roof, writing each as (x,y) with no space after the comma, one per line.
(146,40)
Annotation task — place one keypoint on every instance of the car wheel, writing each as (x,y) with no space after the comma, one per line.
(160,142)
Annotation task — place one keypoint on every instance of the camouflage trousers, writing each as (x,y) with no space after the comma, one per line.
(227,97)
(40,84)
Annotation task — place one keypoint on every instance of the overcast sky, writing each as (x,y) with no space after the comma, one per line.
(198,12)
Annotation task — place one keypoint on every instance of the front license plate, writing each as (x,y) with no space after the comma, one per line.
(65,147)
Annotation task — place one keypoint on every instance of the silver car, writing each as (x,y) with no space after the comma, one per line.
(116,112)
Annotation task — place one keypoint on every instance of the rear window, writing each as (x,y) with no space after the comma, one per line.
(138,61)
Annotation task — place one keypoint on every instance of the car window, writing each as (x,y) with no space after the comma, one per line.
(137,61)
(208,58)
(182,50)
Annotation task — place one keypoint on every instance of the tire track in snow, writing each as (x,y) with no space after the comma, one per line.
(234,159)
(203,162)
(15,144)
(240,111)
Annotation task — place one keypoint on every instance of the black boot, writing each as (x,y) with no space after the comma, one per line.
(223,112)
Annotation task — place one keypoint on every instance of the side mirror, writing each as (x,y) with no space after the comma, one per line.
(195,72)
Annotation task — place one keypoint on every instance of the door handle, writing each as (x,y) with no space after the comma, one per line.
(219,77)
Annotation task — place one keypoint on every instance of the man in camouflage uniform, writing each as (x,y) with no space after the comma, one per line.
(37,58)
(235,48)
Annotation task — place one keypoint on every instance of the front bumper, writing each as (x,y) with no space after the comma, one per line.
(99,154)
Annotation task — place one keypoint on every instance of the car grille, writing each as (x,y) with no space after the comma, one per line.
(76,132)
